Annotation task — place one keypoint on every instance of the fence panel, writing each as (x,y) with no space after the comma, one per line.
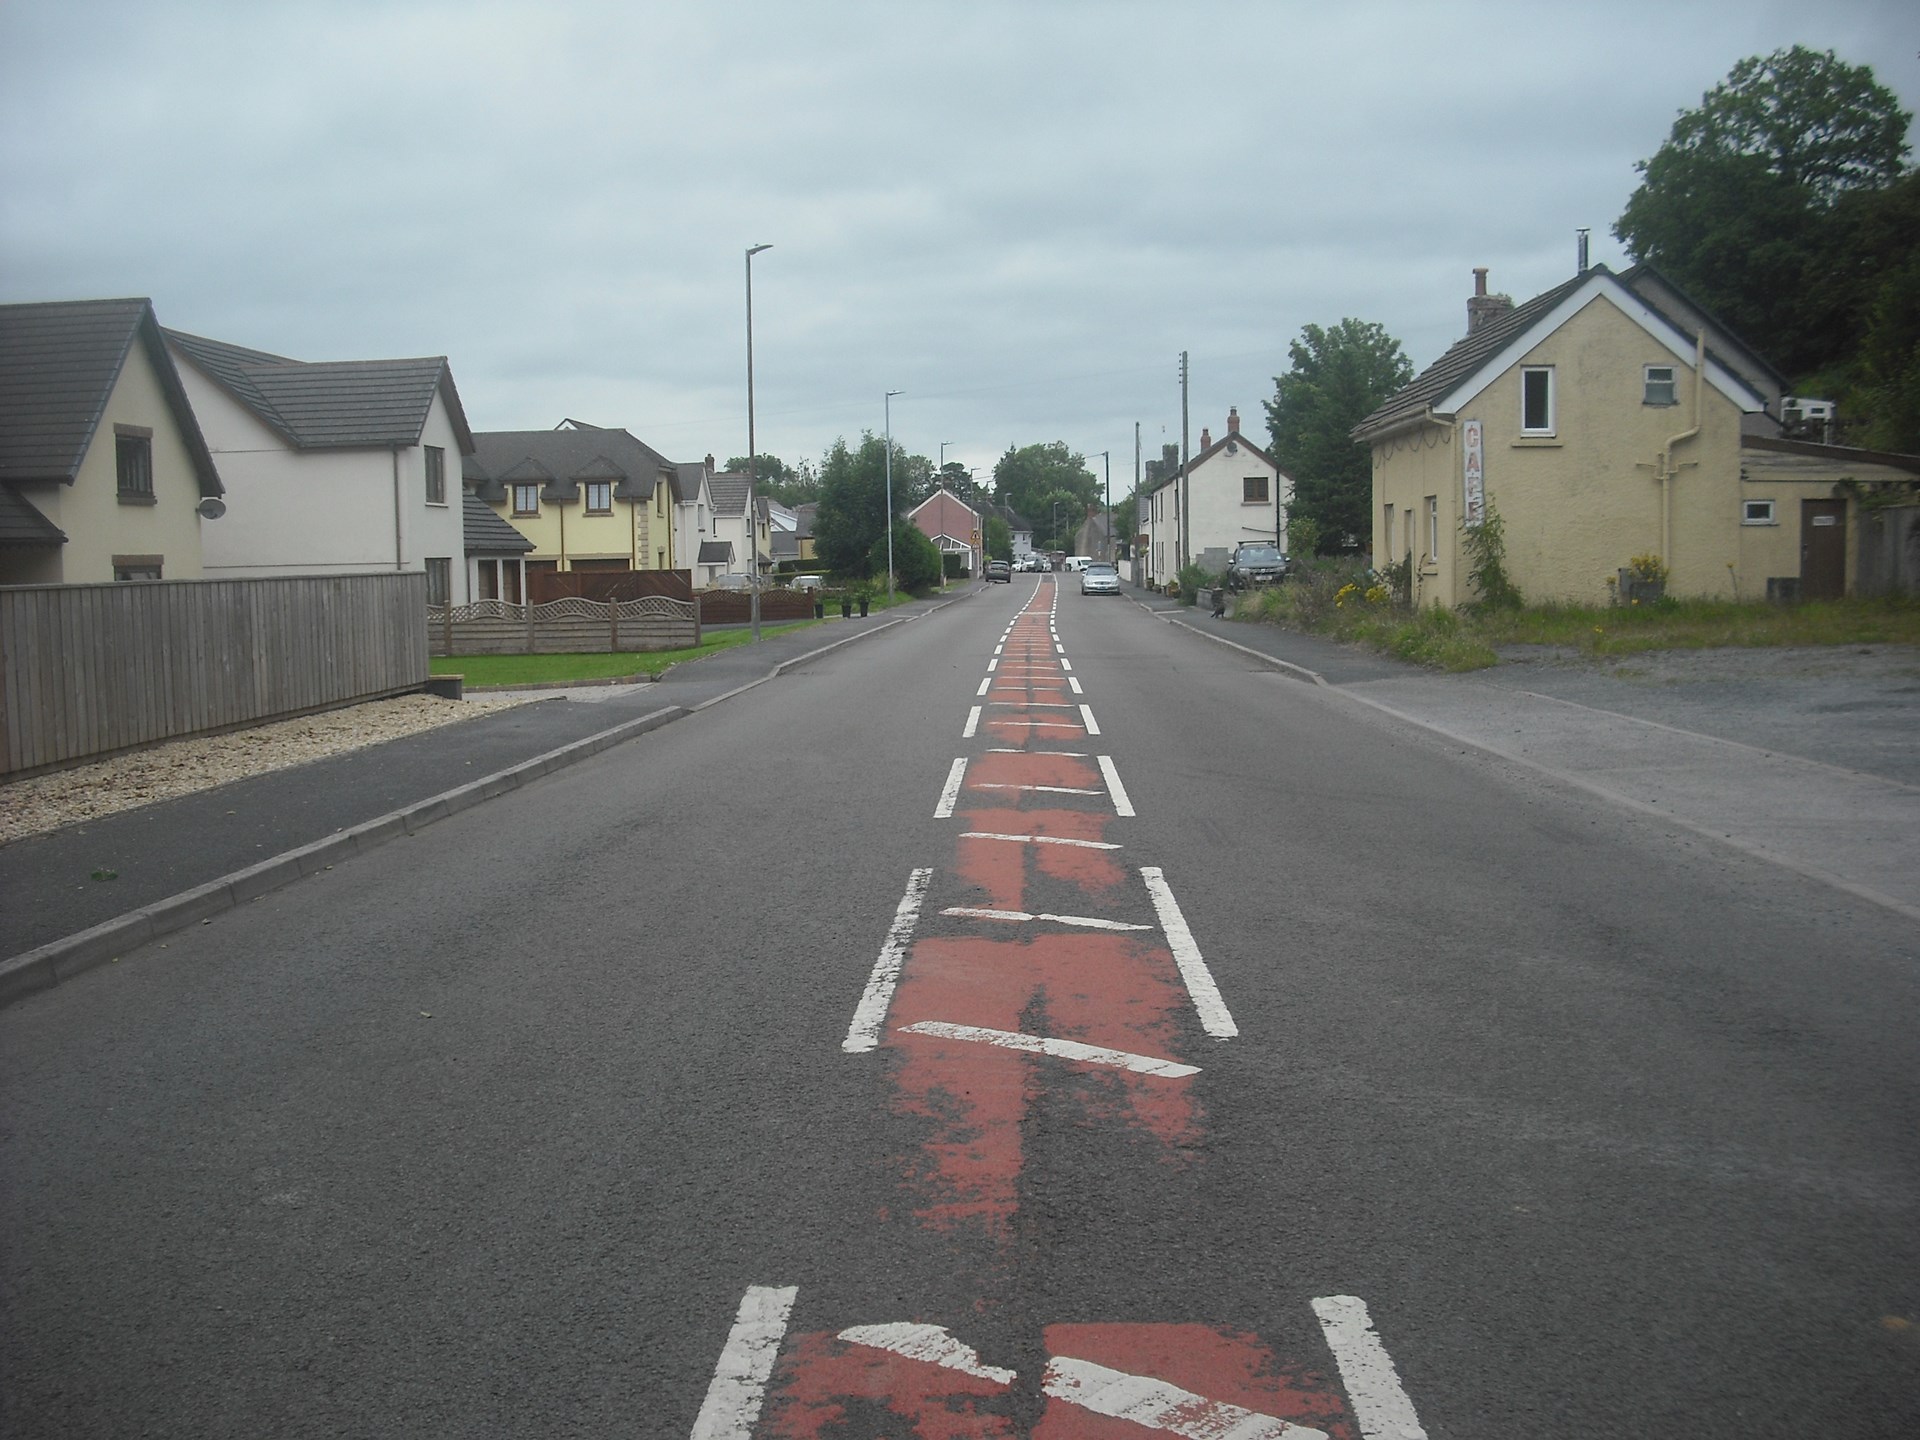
(90,669)
(567,626)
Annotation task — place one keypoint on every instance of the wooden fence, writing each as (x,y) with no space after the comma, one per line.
(731,607)
(604,585)
(1889,551)
(86,670)
(563,627)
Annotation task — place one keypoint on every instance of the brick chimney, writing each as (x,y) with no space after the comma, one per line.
(1233,419)
(1206,437)
(1482,307)
(709,462)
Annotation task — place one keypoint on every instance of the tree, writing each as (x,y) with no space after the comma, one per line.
(1338,377)
(1033,479)
(1753,202)
(999,539)
(853,503)
(916,559)
(789,484)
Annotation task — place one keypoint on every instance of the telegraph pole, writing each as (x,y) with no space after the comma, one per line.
(1186,459)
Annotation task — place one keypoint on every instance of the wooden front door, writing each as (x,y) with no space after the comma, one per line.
(1823,549)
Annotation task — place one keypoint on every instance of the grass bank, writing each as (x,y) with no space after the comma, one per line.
(1343,606)
(481,670)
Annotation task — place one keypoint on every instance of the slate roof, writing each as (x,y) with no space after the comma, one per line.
(331,405)
(729,491)
(1207,454)
(715,552)
(1466,357)
(59,362)
(805,515)
(485,533)
(21,524)
(560,459)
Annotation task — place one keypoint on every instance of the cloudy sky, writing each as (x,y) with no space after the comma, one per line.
(1016,214)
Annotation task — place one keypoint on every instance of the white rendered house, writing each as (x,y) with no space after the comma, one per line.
(1230,491)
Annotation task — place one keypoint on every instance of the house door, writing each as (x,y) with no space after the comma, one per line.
(1823,549)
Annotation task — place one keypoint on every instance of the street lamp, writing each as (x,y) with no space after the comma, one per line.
(753,535)
(1107,456)
(888,402)
(1056,522)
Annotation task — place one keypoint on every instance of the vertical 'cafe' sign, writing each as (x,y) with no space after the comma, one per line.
(1473,475)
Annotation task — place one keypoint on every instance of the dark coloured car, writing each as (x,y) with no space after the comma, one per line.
(1256,563)
(999,570)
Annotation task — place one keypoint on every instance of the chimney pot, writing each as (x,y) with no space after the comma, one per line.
(709,462)
(1233,420)
(1479,279)
(1206,437)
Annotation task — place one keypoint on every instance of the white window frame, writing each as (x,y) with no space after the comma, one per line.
(1433,528)
(1648,382)
(1758,512)
(1526,373)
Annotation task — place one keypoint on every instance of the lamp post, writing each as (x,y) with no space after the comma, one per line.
(1107,456)
(1056,522)
(753,534)
(888,402)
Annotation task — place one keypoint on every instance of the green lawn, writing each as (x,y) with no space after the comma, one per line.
(482,670)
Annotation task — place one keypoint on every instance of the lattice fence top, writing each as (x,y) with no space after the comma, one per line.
(657,605)
(569,608)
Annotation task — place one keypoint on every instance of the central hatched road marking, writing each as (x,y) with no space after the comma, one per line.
(1059,1049)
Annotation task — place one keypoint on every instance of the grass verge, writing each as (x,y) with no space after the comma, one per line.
(482,670)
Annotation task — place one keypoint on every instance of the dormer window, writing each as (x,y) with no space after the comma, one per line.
(599,497)
(1536,400)
(1660,386)
(526,499)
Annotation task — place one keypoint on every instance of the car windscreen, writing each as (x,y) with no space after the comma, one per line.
(1259,555)
(1102,570)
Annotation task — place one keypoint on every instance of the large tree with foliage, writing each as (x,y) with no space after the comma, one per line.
(853,502)
(789,484)
(1753,201)
(1033,479)
(1338,377)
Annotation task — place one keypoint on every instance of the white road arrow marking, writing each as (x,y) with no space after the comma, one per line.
(1162,1406)
(929,1343)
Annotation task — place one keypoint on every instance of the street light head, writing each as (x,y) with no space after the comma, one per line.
(756,249)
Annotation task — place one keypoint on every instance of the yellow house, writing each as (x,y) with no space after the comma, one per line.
(1606,419)
(588,498)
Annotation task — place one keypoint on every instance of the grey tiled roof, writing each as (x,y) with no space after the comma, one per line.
(562,457)
(332,405)
(21,524)
(59,362)
(805,515)
(1466,356)
(715,552)
(485,533)
(729,491)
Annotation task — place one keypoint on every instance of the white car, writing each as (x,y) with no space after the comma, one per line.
(1099,578)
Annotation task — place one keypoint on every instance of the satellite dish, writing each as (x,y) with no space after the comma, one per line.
(211,508)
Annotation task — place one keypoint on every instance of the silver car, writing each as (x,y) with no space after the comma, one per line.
(1099,578)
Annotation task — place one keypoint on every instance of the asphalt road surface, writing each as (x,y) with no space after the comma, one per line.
(1031,1021)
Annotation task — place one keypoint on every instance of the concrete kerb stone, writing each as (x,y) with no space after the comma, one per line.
(1298,672)
(62,959)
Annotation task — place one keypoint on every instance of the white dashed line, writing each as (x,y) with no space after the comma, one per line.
(1059,1049)
(871,1013)
(1066,665)
(1073,684)
(983,685)
(1084,922)
(1043,789)
(1214,1016)
(951,793)
(1373,1385)
(1039,840)
(740,1378)
(973,723)
(1122,804)
(1086,713)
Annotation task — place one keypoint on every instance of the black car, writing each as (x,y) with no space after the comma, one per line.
(1256,562)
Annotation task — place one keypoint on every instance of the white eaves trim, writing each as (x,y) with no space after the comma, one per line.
(1603,285)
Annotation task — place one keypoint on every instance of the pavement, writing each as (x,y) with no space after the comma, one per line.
(1805,760)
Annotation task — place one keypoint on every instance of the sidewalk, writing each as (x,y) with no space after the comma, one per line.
(181,860)
(1805,759)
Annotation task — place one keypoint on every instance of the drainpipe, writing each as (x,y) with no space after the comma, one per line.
(1668,470)
(399,544)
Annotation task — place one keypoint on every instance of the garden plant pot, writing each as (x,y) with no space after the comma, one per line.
(819,609)
(863,607)
(846,608)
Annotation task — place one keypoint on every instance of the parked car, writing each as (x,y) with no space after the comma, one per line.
(1099,578)
(1256,562)
(999,570)
(804,582)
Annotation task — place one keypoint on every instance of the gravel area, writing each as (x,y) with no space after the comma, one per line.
(179,767)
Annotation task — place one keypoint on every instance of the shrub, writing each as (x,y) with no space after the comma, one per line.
(1486,546)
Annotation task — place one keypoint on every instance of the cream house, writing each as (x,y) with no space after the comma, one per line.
(104,472)
(331,468)
(588,497)
(1231,491)
(1605,419)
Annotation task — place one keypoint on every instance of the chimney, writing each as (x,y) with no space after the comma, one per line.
(1581,249)
(1482,307)
(709,462)
(1206,437)
(1233,419)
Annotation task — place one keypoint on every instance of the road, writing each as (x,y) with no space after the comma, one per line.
(1205,1051)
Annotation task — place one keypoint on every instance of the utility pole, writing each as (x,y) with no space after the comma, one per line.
(1133,547)
(1186,459)
(753,533)
(888,403)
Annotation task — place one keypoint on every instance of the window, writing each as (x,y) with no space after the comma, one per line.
(599,497)
(436,475)
(1433,527)
(133,462)
(526,499)
(1536,400)
(1386,536)
(137,567)
(1757,512)
(439,579)
(510,578)
(489,580)
(1660,387)
(1253,490)
(700,515)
